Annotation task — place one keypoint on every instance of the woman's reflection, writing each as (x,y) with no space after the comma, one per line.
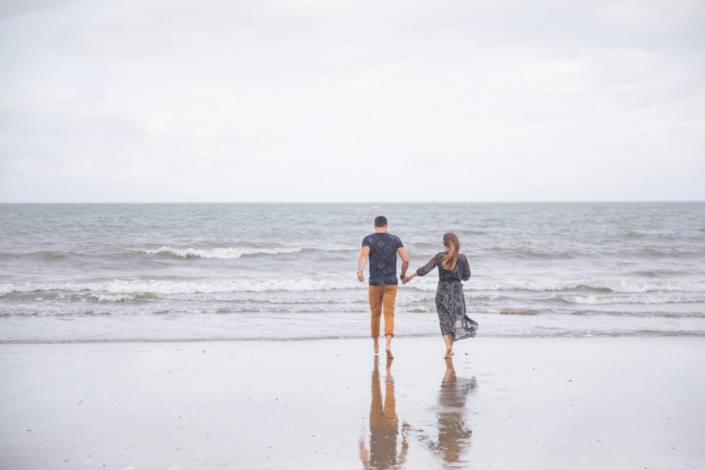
(384,426)
(453,432)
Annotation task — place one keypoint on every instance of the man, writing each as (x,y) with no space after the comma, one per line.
(382,248)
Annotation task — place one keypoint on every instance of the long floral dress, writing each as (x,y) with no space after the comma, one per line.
(450,299)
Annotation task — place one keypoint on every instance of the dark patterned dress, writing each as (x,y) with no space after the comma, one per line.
(450,299)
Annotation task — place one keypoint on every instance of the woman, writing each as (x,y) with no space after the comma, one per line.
(453,267)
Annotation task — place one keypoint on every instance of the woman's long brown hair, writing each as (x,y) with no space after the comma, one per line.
(451,242)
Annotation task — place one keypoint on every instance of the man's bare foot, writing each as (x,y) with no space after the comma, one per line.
(449,353)
(376,347)
(389,353)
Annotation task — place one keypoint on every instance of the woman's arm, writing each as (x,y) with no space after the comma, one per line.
(466,269)
(423,270)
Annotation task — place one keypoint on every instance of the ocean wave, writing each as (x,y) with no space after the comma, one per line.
(631,299)
(576,288)
(217,253)
(641,313)
(351,312)
(584,311)
(557,286)
(519,311)
(123,297)
(586,251)
(330,250)
(175,287)
(41,254)
(528,253)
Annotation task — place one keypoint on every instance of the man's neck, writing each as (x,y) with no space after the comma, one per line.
(380,230)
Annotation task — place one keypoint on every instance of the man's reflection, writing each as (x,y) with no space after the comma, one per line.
(453,432)
(384,425)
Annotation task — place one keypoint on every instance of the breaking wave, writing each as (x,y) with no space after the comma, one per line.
(636,287)
(632,299)
(174,287)
(133,286)
(218,253)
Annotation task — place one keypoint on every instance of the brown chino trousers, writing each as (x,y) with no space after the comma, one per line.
(382,297)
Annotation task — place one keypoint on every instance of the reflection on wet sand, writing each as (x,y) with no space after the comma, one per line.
(453,432)
(384,426)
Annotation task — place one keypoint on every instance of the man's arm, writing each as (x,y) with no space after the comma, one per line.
(364,254)
(404,260)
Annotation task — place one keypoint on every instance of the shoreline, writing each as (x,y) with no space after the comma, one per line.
(654,334)
(195,327)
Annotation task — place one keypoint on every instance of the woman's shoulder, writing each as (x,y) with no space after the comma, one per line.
(437,258)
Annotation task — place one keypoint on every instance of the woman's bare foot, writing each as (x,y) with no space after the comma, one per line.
(448,339)
(389,353)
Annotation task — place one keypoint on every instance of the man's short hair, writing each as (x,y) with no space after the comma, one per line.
(380,221)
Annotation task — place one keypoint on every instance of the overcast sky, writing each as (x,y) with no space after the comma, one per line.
(335,100)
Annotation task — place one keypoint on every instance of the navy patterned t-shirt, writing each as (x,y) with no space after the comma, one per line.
(383,258)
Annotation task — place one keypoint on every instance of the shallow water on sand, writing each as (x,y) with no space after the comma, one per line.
(125,272)
(527,403)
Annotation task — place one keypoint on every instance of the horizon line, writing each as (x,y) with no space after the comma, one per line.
(360,202)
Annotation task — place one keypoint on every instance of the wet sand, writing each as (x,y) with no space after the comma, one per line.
(609,403)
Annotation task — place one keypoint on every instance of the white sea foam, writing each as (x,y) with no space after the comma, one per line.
(172,287)
(113,297)
(303,285)
(554,286)
(218,253)
(632,299)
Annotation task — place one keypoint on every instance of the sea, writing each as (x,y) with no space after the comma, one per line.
(241,272)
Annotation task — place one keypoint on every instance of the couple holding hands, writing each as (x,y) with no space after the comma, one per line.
(382,248)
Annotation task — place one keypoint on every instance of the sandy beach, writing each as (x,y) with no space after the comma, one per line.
(610,403)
